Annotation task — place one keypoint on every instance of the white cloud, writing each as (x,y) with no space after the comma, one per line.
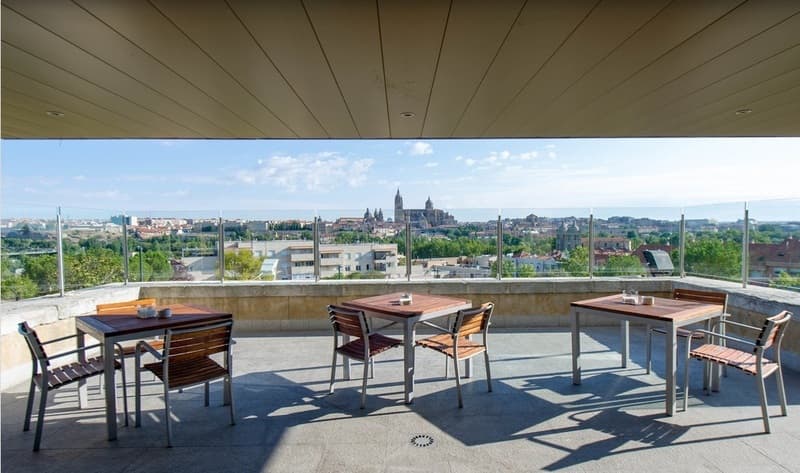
(314,172)
(470,162)
(459,158)
(79,178)
(420,148)
(431,164)
(551,154)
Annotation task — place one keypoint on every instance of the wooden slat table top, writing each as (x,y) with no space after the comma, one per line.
(662,310)
(421,304)
(126,322)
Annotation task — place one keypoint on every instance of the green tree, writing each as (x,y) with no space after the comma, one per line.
(43,271)
(785,280)
(160,268)
(578,262)
(713,257)
(92,268)
(508,268)
(242,265)
(627,265)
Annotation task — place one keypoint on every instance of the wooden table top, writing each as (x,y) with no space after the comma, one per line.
(125,321)
(421,304)
(663,309)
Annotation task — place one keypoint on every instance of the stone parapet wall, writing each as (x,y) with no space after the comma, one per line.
(297,306)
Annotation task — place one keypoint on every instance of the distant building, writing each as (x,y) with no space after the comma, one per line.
(421,218)
(769,260)
(568,237)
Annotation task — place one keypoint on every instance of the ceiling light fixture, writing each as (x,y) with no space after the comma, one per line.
(408,114)
(744,111)
(54,113)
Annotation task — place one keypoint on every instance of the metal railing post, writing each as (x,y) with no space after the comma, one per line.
(221,251)
(682,246)
(499,247)
(408,245)
(746,246)
(125,262)
(317,268)
(591,245)
(60,253)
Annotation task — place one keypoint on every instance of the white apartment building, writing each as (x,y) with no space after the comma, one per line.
(295,258)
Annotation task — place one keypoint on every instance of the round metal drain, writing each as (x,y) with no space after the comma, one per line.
(422,440)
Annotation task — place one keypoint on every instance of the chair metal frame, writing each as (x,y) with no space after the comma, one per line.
(685,295)
(343,320)
(199,337)
(770,335)
(459,335)
(44,376)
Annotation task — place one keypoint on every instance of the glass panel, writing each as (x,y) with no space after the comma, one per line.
(173,245)
(774,245)
(714,241)
(269,245)
(636,241)
(92,247)
(28,251)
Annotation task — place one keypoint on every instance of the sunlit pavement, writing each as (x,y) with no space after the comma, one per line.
(535,419)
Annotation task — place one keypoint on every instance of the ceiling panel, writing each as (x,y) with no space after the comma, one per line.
(352,68)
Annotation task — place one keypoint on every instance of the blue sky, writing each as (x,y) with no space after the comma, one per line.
(259,176)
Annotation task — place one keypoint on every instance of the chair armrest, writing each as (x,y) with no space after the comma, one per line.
(726,337)
(149,349)
(432,325)
(72,352)
(59,339)
(738,324)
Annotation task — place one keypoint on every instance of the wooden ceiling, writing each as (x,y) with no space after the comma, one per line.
(399,68)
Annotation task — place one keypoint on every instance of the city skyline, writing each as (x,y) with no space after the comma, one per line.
(478,177)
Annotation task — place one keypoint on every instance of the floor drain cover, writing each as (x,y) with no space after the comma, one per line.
(422,440)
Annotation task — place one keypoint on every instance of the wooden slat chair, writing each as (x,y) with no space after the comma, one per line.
(186,361)
(751,362)
(458,346)
(366,345)
(49,378)
(127,306)
(686,295)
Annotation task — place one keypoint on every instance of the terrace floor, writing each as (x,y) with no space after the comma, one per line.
(534,420)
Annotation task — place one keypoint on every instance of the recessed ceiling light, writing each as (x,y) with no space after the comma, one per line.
(744,111)
(408,114)
(54,113)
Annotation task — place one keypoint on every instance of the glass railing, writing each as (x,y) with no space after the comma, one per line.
(29,252)
(353,244)
(774,249)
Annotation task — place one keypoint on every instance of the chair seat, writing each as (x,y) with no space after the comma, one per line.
(377,344)
(130,350)
(443,343)
(188,371)
(682,332)
(738,359)
(66,374)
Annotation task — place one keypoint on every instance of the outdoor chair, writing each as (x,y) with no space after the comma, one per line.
(186,361)
(126,306)
(751,361)
(49,378)
(457,344)
(367,344)
(686,295)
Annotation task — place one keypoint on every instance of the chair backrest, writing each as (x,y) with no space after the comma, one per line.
(348,321)
(125,305)
(34,343)
(773,330)
(706,297)
(472,321)
(198,341)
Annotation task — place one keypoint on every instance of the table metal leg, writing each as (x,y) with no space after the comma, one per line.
(409,335)
(625,336)
(111,395)
(670,355)
(575,322)
(83,397)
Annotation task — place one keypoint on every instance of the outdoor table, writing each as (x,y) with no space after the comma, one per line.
(125,325)
(423,307)
(666,313)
